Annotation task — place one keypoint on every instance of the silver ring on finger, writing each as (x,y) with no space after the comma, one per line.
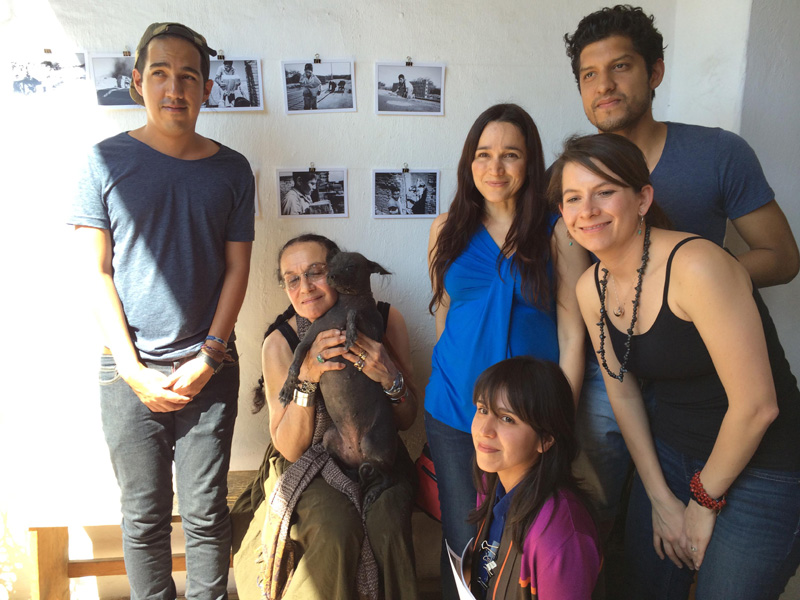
(320,359)
(359,364)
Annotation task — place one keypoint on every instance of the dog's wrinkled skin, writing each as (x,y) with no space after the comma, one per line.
(363,435)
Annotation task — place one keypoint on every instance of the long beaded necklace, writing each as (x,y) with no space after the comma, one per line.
(638,289)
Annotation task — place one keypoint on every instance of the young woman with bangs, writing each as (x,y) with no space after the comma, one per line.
(536,538)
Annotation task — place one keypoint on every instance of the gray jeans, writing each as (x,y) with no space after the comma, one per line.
(143,446)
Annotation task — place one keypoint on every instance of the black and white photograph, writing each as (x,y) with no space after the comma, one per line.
(112,74)
(326,86)
(321,192)
(237,85)
(409,90)
(412,193)
(49,75)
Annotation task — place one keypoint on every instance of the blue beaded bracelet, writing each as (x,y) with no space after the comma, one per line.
(212,350)
(220,341)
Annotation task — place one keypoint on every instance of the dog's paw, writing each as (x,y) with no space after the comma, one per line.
(373,493)
(286,394)
(374,480)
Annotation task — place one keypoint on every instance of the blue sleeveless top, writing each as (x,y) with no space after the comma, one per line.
(488,320)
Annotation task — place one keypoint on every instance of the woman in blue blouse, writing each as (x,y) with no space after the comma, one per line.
(503,273)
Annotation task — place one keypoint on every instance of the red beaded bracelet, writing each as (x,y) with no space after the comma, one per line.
(701,496)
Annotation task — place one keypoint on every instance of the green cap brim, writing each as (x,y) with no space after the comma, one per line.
(157,29)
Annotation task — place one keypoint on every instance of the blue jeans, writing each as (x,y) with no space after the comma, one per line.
(143,445)
(452,453)
(605,462)
(602,444)
(754,549)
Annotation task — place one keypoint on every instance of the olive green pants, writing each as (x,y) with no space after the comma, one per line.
(327,531)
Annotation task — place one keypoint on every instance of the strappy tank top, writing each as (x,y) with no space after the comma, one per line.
(690,398)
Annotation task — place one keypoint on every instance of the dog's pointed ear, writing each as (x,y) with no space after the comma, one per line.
(376,268)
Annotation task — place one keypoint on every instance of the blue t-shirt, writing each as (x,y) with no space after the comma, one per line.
(488,320)
(169,221)
(705,176)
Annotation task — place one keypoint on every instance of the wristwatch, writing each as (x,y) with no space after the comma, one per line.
(215,365)
(307,387)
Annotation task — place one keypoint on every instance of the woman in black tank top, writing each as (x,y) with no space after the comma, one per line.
(718,468)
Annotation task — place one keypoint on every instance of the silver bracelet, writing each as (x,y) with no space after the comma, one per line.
(395,400)
(304,399)
(398,387)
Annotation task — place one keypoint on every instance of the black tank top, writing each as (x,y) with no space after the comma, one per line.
(690,398)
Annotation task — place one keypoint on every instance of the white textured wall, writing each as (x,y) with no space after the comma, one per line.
(708,62)
(51,442)
(771,124)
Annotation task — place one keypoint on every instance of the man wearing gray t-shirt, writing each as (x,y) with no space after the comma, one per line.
(617,58)
(164,218)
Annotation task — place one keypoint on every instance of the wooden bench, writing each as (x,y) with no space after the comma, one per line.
(53,568)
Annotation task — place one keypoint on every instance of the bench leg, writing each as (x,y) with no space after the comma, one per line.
(50,551)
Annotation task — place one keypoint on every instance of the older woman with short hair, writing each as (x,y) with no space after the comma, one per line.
(326,553)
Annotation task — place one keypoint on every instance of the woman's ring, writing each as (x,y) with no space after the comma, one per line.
(362,355)
(693,549)
(359,364)
(319,358)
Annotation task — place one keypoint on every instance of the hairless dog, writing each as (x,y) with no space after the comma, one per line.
(363,435)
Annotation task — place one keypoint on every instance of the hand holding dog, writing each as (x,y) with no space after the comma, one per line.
(328,345)
(378,365)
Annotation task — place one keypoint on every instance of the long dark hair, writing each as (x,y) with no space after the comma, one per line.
(624,163)
(259,398)
(528,234)
(538,393)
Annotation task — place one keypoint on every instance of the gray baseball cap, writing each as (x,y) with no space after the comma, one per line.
(157,29)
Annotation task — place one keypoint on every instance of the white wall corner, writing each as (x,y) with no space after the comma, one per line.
(709,60)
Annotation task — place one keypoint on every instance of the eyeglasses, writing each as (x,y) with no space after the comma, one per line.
(315,273)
